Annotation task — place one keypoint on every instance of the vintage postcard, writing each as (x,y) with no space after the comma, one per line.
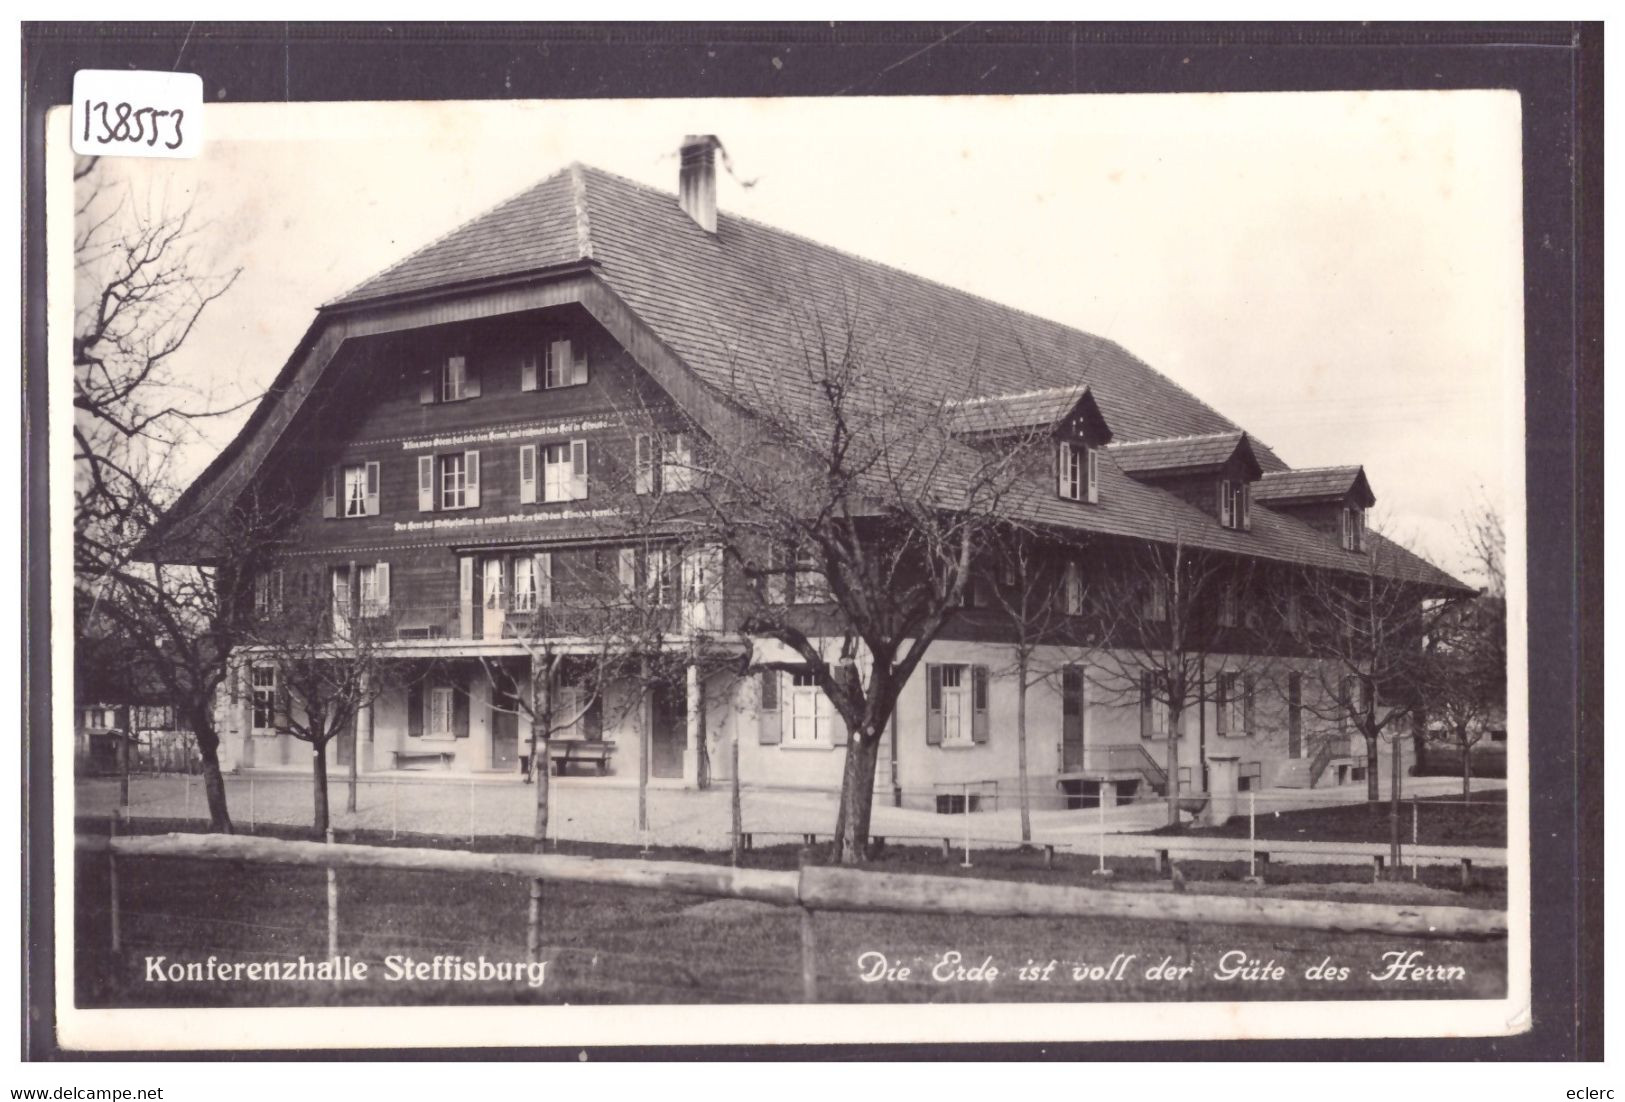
(946,569)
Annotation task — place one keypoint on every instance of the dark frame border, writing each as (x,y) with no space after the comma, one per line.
(1557,68)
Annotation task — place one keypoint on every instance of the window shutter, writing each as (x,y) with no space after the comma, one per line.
(1246,508)
(276,591)
(427,387)
(644,464)
(1224,502)
(770,720)
(471,380)
(380,581)
(626,569)
(459,710)
(1247,688)
(933,705)
(979,710)
(578,470)
(330,492)
(1221,704)
(414,711)
(471,470)
(279,703)
(558,363)
(1063,484)
(1145,706)
(425,483)
(578,370)
(372,489)
(1094,475)
(527,475)
(527,371)
(465,596)
(544,579)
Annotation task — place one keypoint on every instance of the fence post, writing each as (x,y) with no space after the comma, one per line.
(112,887)
(1252,835)
(533,923)
(251,819)
(1413,837)
(809,950)
(964,803)
(471,811)
(187,814)
(1100,840)
(394,816)
(332,912)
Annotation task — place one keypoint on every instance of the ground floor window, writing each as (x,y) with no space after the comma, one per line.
(263,692)
(439,717)
(810,714)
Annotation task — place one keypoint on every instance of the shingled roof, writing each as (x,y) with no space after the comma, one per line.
(999,414)
(729,305)
(1183,454)
(1311,484)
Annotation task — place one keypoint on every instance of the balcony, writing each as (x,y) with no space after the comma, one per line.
(457,623)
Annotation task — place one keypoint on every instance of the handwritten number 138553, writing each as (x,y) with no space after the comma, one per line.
(120,122)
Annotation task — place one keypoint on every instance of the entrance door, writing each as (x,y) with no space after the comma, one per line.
(1071,719)
(669,730)
(504,724)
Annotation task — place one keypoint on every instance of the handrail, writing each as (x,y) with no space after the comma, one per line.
(1332,746)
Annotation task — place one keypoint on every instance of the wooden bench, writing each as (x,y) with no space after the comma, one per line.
(402,757)
(580,752)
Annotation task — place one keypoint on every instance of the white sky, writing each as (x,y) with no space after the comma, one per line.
(1339,273)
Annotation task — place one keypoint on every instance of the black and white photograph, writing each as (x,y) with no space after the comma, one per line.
(566,563)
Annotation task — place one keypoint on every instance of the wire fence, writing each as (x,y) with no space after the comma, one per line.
(1268,829)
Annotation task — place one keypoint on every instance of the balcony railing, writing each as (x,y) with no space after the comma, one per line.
(456,622)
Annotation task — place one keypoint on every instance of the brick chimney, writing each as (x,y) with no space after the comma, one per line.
(697,180)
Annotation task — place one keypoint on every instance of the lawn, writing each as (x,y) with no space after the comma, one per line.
(612,945)
(1439,821)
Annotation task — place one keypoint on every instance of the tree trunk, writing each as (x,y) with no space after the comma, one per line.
(857,798)
(355,768)
(124,767)
(738,806)
(214,785)
(1021,752)
(1466,767)
(643,745)
(1393,809)
(318,775)
(1174,718)
(1373,749)
(541,758)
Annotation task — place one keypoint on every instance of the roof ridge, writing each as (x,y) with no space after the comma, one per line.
(1040,393)
(578,193)
(1311,470)
(486,212)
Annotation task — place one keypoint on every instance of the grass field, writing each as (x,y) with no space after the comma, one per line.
(1440,821)
(614,945)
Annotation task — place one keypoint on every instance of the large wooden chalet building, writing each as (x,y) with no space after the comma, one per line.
(449,431)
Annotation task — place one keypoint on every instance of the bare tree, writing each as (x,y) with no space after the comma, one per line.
(321,639)
(141,287)
(854,512)
(1164,621)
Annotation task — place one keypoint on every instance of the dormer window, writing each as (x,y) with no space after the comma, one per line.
(1353,528)
(1078,472)
(1235,504)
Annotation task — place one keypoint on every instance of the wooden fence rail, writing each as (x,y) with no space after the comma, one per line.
(815,888)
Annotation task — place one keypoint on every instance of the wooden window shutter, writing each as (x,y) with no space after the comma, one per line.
(544,579)
(1063,480)
(428,387)
(578,370)
(1248,685)
(527,475)
(425,483)
(414,710)
(1246,508)
(330,492)
(465,596)
(1221,703)
(979,710)
(372,489)
(769,714)
(933,705)
(1224,502)
(471,470)
(276,591)
(578,470)
(471,379)
(626,569)
(459,709)
(1094,475)
(380,581)
(527,371)
(644,464)
(1145,706)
